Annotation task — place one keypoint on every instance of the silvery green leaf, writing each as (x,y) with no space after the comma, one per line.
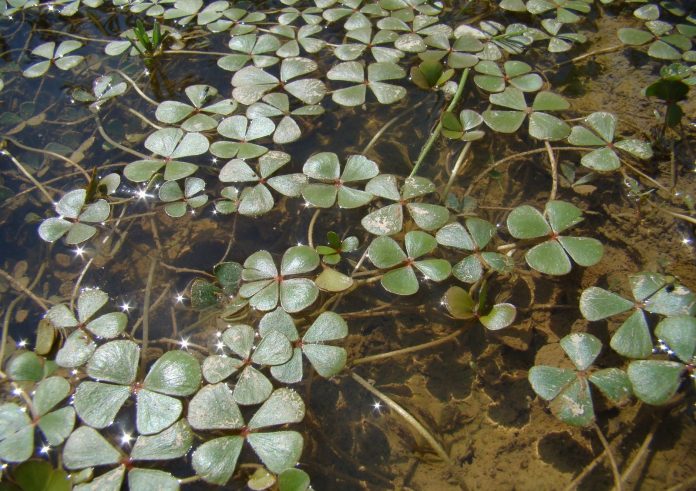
(151,480)
(289,372)
(57,425)
(53,229)
(217,368)
(282,407)
(274,349)
(633,339)
(76,350)
(252,387)
(97,403)
(278,450)
(597,303)
(70,205)
(155,412)
(679,333)
(109,481)
(115,361)
(49,393)
(172,443)
(175,373)
(574,404)
(60,316)
(655,381)
(549,381)
(327,360)
(213,407)
(582,349)
(216,459)
(240,339)
(87,448)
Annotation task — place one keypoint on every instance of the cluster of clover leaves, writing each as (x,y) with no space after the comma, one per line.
(97,372)
(75,389)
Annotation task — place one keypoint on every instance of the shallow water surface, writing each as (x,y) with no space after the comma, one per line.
(470,391)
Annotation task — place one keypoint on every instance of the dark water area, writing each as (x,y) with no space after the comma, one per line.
(470,391)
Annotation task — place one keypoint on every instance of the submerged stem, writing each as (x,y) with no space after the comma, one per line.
(146,312)
(410,349)
(420,429)
(457,168)
(436,132)
(24,171)
(610,454)
(554,171)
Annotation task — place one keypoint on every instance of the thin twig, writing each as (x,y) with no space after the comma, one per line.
(24,171)
(143,118)
(115,144)
(457,169)
(520,155)
(591,54)
(19,287)
(77,166)
(554,171)
(420,429)
(146,312)
(5,331)
(73,297)
(310,230)
(137,88)
(641,451)
(610,454)
(404,351)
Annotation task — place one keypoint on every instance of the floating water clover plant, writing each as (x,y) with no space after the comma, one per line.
(385,253)
(87,448)
(258,200)
(430,75)
(251,83)
(114,366)
(264,287)
(325,167)
(374,78)
(542,125)
(461,305)
(664,43)
(80,345)
(252,386)
(17,427)
(177,200)
(389,219)
(331,253)
(569,390)
(216,460)
(462,127)
(54,55)
(656,381)
(652,292)
(243,131)
(474,238)
(171,144)
(194,115)
(518,74)
(360,40)
(278,104)
(552,256)
(327,360)
(75,217)
(250,47)
(601,134)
